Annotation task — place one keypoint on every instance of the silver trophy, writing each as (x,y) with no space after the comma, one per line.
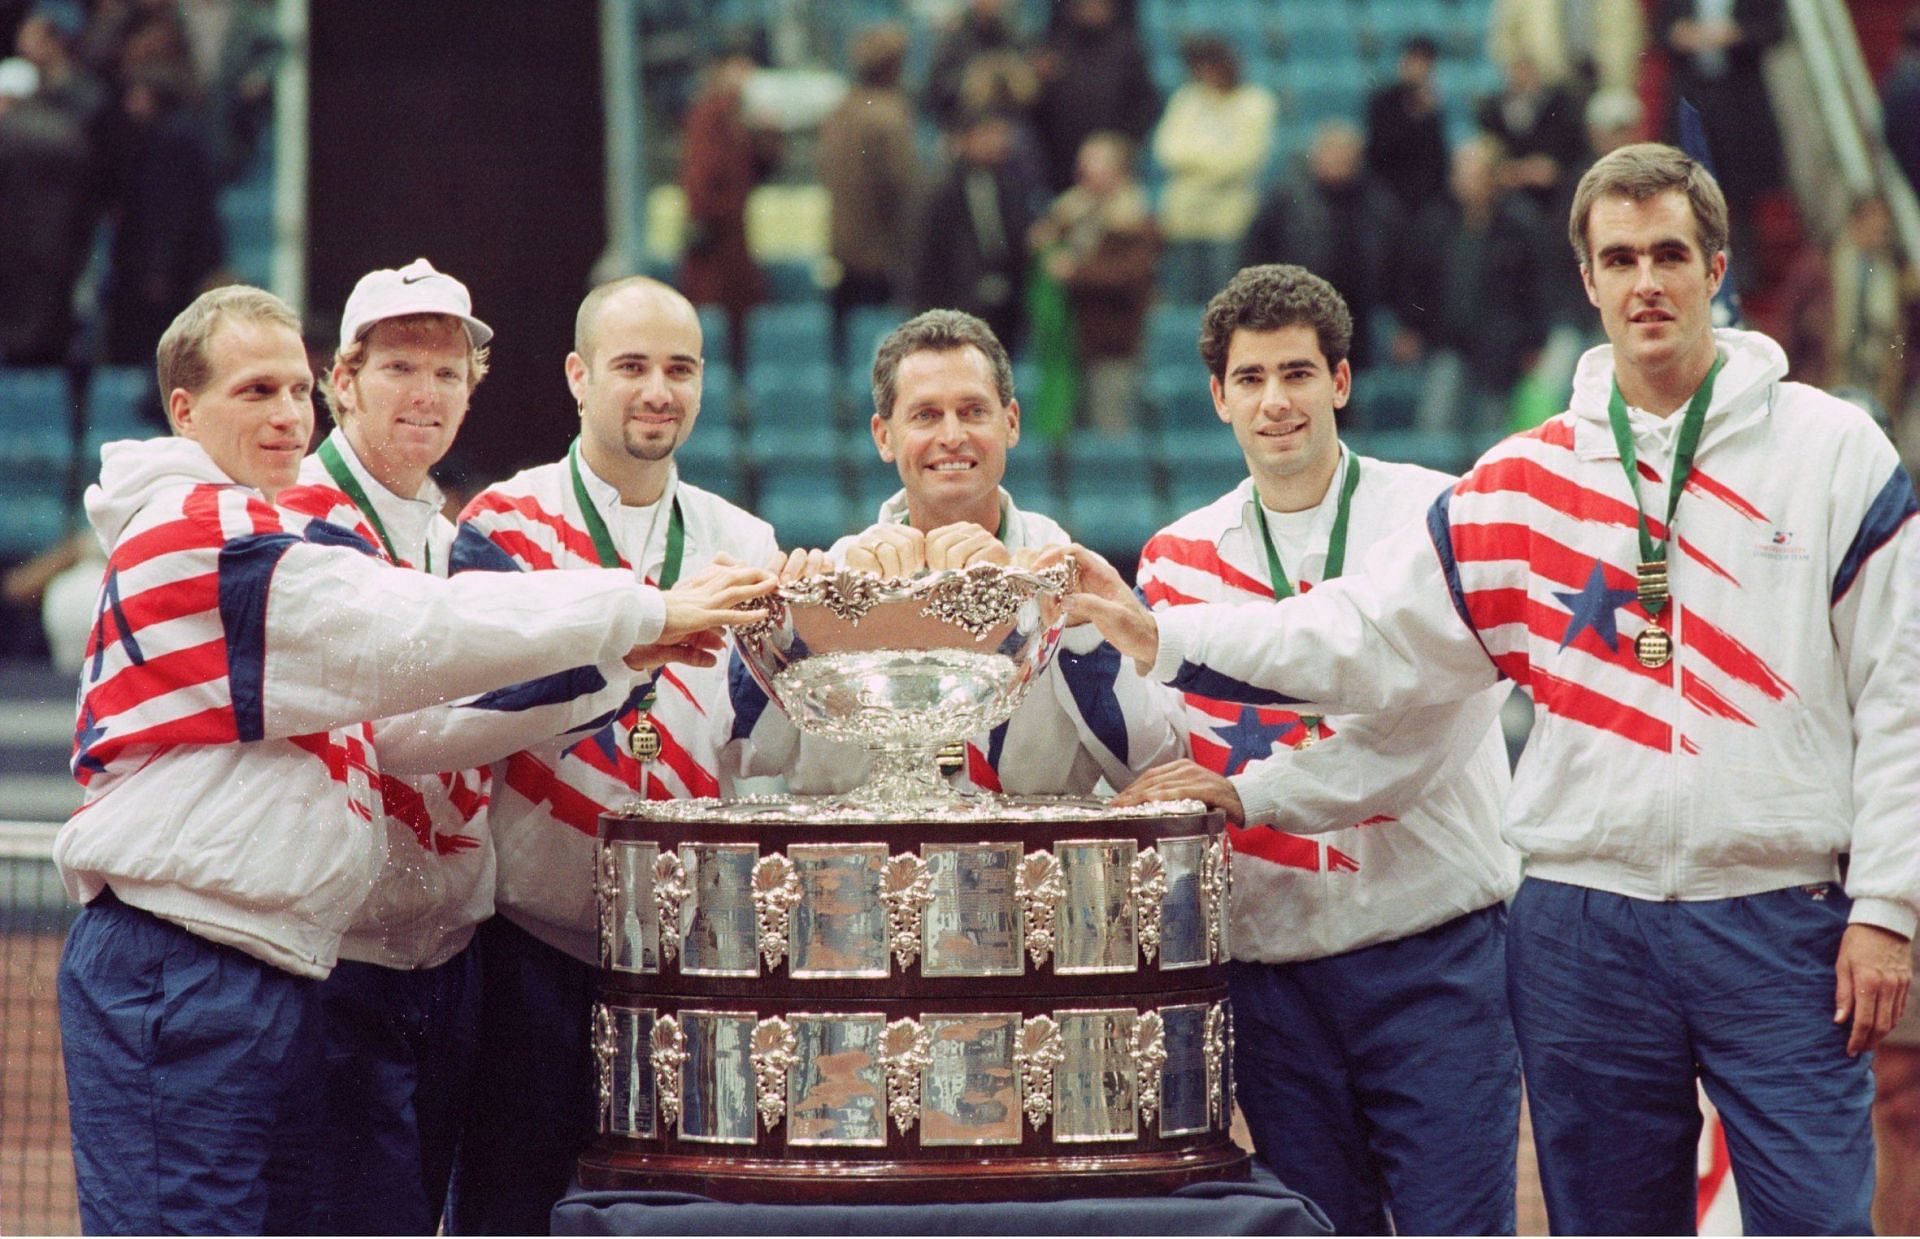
(903,667)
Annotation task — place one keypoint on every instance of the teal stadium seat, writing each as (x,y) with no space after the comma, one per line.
(36,427)
(788,333)
(716,339)
(791,397)
(116,396)
(710,459)
(1113,501)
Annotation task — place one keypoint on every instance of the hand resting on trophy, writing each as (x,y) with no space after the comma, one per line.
(890,551)
(698,608)
(1184,780)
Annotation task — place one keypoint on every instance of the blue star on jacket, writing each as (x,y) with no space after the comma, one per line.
(1593,607)
(1250,739)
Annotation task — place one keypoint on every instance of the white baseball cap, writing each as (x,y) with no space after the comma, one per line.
(414,289)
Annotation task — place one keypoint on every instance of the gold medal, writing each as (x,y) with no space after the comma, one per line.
(953,755)
(1310,730)
(644,740)
(1653,647)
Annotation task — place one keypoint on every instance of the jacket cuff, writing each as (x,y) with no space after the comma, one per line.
(1081,639)
(1888,914)
(1259,795)
(650,606)
(1170,655)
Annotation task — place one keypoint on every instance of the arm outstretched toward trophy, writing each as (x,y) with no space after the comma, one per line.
(1105,601)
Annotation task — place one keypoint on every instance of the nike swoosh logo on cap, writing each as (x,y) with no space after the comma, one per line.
(415,279)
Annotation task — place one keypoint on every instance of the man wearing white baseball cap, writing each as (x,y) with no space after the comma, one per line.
(401,1009)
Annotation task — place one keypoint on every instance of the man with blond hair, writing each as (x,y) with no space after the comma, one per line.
(232,823)
(1692,574)
(402,1008)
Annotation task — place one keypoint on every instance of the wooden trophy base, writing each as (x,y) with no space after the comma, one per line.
(890,1182)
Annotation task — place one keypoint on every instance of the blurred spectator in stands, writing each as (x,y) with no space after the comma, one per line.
(1615,118)
(718,169)
(1542,130)
(867,163)
(234,49)
(1338,223)
(1100,243)
(60,585)
(983,29)
(1406,139)
(1583,44)
(1900,101)
(1717,47)
(1006,85)
(46,38)
(1852,309)
(1093,78)
(45,209)
(1477,284)
(167,241)
(1213,142)
(969,244)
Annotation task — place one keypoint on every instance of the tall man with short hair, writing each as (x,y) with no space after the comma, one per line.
(232,824)
(1691,572)
(1375,1060)
(945,417)
(615,500)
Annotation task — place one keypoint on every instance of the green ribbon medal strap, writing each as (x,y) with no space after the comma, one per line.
(336,467)
(603,548)
(1653,555)
(1336,558)
(643,741)
(1336,542)
(1654,646)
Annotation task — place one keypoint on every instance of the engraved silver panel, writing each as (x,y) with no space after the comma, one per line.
(1185,910)
(1184,1080)
(972,926)
(718,923)
(632,1110)
(840,928)
(717,1092)
(1097,923)
(1093,1088)
(971,1094)
(635,919)
(836,1090)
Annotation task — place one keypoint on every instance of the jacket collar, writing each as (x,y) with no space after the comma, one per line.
(1742,395)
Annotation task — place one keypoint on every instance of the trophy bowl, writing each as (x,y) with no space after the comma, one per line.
(905,666)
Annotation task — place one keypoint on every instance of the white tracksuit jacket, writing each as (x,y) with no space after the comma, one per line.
(231,785)
(548,798)
(1403,808)
(437,885)
(1783,732)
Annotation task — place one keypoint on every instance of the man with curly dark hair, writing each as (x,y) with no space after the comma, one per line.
(1375,1061)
